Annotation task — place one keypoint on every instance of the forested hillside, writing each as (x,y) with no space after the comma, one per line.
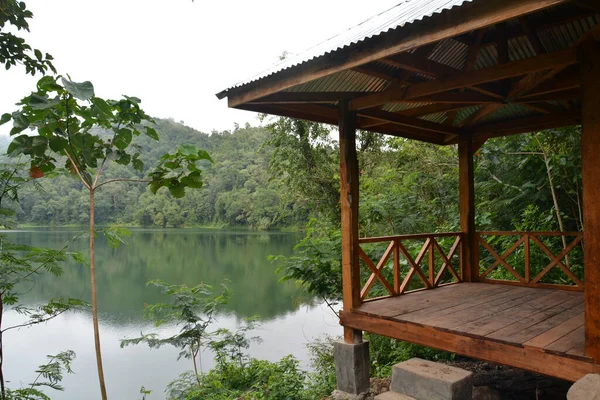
(281,175)
(238,190)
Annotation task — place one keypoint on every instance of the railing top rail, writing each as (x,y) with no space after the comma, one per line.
(520,233)
(408,236)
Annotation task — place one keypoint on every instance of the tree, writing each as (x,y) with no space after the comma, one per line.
(20,264)
(13,49)
(82,134)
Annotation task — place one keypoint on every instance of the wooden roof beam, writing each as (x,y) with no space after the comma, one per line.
(523,125)
(503,71)
(433,109)
(378,71)
(542,23)
(307,97)
(567,79)
(588,4)
(410,133)
(407,121)
(470,16)
(449,97)
(569,94)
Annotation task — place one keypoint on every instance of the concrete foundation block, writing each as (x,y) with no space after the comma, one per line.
(352,367)
(587,388)
(427,380)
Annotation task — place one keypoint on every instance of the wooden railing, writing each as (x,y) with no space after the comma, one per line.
(396,248)
(529,276)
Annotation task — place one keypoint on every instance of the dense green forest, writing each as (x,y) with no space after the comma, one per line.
(238,189)
(280,175)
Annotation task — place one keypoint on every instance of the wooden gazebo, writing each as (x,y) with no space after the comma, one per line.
(459,72)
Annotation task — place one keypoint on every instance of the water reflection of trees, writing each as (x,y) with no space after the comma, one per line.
(175,256)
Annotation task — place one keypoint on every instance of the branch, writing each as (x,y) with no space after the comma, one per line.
(85,183)
(494,177)
(105,157)
(123,180)
(39,321)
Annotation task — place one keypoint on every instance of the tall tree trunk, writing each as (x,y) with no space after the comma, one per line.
(94,297)
(2,384)
(554,196)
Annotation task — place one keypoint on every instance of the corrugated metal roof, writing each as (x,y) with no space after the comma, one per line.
(398,16)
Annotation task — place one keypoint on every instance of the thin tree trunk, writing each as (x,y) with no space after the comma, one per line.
(2,384)
(554,198)
(94,297)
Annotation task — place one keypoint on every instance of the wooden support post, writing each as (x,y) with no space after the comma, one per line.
(349,207)
(469,262)
(589,55)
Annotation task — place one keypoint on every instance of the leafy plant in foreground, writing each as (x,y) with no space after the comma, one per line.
(68,118)
(192,310)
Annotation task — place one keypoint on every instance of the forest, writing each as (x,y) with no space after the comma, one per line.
(280,175)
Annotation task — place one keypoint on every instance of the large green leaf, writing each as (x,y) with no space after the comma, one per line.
(48,84)
(152,133)
(5,118)
(102,108)
(19,145)
(79,90)
(193,180)
(123,138)
(20,123)
(38,102)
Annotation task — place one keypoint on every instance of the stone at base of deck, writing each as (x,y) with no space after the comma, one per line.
(423,318)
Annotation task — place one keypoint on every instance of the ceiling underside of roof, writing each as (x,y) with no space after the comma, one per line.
(515,76)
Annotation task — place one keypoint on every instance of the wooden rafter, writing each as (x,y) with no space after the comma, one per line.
(522,125)
(307,97)
(407,121)
(568,79)
(531,81)
(543,22)
(483,112)
(377,71)
(587,4)
(502,43)
(532,35)
(434,109)
(503,71)
(569,94)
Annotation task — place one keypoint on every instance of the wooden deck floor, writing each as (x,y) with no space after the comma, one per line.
(519,326)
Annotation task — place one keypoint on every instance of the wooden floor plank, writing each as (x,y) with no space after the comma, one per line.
(567,342)
(554,321)
(543,340)
(462,318)
(416,301)
(450,307)
(509,332)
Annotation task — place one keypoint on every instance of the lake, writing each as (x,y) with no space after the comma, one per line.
(178,256)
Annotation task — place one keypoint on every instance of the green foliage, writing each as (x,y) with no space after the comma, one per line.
(50,375)
(192,310)
(238,376)
(13,49)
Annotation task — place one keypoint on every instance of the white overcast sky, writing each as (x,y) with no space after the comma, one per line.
(176,54)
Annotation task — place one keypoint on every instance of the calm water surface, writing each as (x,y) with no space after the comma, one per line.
(187,256)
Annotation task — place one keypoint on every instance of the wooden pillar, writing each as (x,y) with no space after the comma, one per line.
(589,57)
(468,261)
(349,207)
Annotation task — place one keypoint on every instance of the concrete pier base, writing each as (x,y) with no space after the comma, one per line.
(352,367)
(587,388)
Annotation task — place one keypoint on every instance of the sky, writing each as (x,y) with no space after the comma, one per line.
(175,55)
